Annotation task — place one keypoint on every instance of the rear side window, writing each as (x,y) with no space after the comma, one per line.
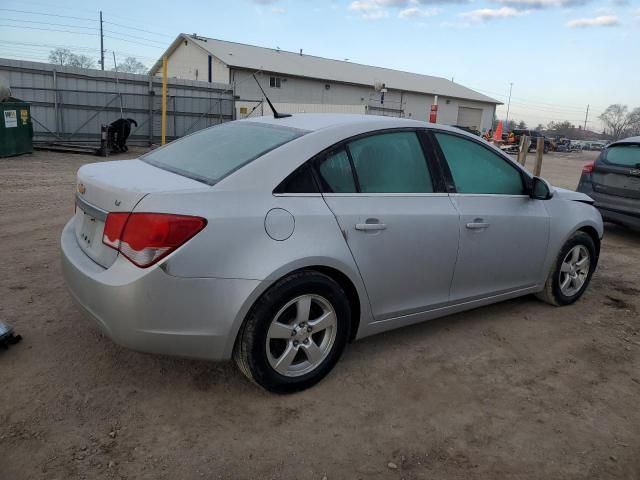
(390,163)
(335,173)
(623,155)
(476,169)
(213,153)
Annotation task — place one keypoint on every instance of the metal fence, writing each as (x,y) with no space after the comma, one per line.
(70,104)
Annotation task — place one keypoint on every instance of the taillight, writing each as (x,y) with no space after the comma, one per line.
(588,168)
(146,238)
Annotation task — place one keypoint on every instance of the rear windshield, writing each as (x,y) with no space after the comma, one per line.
(213,153)
(624,155)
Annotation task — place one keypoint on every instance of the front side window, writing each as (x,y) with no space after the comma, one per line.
(476,169)
(213,153)
(390,163)
(623,155)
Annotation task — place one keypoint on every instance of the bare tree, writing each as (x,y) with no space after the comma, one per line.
(540,127)
(132,65)
(616,119)
(61,56)
(82,61)
(522,124)
(64,56)
(634,122)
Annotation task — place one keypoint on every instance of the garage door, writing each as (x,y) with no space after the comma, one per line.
(469,117)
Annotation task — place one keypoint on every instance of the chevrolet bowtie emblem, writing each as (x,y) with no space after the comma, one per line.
(81,188)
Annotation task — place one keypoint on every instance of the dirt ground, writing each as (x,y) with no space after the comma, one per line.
(517,390)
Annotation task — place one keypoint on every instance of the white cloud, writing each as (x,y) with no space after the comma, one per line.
(540,4)
(278,10)
(484,14)
(375,9)
(415,12)
(369,9)
(602,21)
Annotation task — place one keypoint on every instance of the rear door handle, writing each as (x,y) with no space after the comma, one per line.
(477,225)
(368,227)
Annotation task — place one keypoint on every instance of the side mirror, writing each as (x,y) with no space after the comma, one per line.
(540,189)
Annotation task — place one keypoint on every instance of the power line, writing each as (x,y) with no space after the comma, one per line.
(47,29)
(48,14)
(135,37)
(140,29)
(136,43)
(48,23)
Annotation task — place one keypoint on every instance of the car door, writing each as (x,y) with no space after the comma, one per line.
(503,232)
(399,223)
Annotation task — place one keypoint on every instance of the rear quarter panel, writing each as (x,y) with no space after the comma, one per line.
(235,244)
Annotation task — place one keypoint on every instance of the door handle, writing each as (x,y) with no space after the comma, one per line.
(368,227)
(477,225)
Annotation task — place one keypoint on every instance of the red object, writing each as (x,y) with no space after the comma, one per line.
(588,168)
(146,238)
(497,135)
(433,115)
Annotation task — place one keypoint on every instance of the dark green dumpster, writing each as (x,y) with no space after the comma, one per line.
(16,129)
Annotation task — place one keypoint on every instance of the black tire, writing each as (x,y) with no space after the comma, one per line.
(250,352)
(552,293)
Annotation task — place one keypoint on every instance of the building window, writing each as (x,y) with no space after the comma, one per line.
(274,82)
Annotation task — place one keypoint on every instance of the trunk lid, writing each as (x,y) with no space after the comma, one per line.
(117,186)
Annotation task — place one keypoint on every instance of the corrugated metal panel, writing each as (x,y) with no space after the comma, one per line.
(79,101)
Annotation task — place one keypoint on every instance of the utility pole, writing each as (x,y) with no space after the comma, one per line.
(101,44)
(585,119)
(509,105)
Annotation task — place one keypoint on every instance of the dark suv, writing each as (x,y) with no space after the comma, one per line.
(613,181)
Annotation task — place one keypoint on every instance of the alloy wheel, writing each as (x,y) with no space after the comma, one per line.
(574,270)
(301,335)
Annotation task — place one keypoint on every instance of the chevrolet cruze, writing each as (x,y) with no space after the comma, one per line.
(276,241)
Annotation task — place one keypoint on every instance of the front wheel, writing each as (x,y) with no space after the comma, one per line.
(571,272)
(295,333)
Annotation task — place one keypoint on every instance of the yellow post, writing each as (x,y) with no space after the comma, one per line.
(164,101)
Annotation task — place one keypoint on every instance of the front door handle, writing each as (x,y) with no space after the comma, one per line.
(368,227)
(477,225)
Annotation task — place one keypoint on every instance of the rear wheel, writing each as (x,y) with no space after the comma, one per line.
(571,272)
(295,333)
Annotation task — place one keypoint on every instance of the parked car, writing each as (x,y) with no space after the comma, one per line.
(533,135)
(276,241)
(613,181)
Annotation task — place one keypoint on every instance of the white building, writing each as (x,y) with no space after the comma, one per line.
(296,82)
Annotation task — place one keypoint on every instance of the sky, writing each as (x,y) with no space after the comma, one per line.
(560,55)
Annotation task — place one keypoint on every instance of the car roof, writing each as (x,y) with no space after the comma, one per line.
(626,140)
(319,121)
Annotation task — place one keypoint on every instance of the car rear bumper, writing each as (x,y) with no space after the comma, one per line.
(151,311)
(625,211)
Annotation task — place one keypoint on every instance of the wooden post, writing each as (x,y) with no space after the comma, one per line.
(523,149)
(163,123)
(539,152)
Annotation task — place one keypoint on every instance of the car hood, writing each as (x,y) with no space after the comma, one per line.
(565,194)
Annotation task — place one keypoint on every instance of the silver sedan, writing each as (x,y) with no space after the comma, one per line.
(276,241)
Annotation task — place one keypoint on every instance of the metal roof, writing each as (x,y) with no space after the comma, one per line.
(240,55)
